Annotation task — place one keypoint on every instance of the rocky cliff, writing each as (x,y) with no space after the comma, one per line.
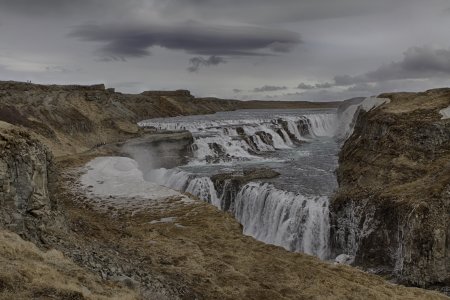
(392,209)
(25,165)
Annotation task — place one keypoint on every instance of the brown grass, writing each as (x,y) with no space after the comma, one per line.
(29,273)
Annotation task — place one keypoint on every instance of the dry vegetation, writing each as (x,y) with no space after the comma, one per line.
(30,273)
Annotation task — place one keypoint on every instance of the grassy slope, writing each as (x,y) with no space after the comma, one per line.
(30,273)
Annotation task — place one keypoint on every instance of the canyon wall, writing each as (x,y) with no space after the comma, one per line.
(392,209)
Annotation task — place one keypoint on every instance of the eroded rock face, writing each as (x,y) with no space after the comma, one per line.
(392,210)
(24,170)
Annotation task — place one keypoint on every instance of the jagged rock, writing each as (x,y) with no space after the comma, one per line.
(265,137)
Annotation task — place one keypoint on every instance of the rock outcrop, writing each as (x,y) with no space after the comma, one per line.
(392,209)
(25,165)
(228,185)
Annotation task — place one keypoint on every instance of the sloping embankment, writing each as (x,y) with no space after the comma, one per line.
(392,210)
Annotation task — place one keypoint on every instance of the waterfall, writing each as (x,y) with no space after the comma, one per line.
(221,141)
(277,217)
(348,117)
(295,222)
(198,186)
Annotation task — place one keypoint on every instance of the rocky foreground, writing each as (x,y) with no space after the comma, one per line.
(88,247)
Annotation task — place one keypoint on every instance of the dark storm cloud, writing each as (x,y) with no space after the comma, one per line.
(269,88)
(197,62)
(134,40)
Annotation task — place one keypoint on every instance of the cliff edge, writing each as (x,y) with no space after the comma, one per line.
(392,209)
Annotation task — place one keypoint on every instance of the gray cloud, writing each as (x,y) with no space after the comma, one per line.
(63,8)
(258,38)
(197,62)
(269,88)
(417,62)
(237,91)
(305,86)
(268,11)
(133,40)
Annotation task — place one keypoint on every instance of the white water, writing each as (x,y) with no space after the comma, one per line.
(302,147)
(239,139)
(201,187)
(348,118)
(295,222)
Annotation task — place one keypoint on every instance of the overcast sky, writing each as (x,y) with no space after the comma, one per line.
(246,49)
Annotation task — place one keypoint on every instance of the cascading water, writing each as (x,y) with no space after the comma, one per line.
(290,210)
(295,222)
(219,140)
